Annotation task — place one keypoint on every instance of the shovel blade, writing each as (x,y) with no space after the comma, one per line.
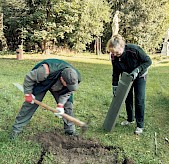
(19,86)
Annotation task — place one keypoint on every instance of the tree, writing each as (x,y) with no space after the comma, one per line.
(72,23)
(78,22)
(143,21)
(14,12)
(89,22)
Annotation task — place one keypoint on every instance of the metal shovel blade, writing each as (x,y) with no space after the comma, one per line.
(19,86)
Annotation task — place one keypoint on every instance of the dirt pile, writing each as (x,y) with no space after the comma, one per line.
(76,150)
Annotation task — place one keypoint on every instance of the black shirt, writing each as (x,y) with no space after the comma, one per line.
(132,57)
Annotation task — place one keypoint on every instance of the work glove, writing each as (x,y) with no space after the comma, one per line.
(29,98)
(134,73)
(114,90)
(60,110)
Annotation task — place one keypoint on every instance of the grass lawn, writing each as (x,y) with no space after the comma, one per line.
(92,100)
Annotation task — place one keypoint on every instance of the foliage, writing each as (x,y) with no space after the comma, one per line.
(72,23)
(143,22)
(89,24)
(76,23)
(14,12)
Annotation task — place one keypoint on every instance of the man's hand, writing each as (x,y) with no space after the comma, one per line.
(134,73)
(60,110)
(114,90)
(29,98)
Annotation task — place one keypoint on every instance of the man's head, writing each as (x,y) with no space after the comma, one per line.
(116,45)
(70,76)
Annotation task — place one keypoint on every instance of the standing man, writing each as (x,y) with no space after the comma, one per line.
(132,59)
(56,76)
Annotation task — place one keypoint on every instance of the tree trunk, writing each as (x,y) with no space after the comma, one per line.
(2,37)
(98,46)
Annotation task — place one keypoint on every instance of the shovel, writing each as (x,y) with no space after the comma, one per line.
(64,115)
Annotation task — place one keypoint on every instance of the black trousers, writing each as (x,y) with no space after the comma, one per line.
(137,93)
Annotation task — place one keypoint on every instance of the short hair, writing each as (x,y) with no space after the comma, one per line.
(116,42)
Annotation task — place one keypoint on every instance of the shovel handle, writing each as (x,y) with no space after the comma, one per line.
(64,115)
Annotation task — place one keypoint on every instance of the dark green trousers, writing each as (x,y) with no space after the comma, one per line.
(27,110)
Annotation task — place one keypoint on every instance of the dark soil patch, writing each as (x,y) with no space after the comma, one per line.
(77,150)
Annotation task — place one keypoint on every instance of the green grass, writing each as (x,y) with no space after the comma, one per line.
(92,100)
